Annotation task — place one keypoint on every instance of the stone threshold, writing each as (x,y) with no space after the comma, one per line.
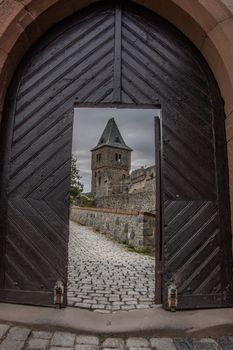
(145,322)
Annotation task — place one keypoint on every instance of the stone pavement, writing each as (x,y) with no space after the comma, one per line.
(104,276)
(22,338)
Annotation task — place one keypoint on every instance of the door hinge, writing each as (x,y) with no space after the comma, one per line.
(59,294)
(172,297)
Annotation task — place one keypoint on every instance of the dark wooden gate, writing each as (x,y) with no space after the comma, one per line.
(113,53)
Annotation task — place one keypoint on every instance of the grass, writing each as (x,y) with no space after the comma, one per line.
(130,248)
(143,250)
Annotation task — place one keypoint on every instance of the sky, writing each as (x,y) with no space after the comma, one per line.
(136,127)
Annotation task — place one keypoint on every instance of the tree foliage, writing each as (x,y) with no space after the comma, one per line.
(76,187)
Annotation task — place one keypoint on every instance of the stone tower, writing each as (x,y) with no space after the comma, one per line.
(111,162)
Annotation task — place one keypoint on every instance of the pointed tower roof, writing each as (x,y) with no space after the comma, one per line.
(112,137)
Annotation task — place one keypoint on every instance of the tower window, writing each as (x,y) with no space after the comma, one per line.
(100,180)
(98,157)
(118,157)
(117,139)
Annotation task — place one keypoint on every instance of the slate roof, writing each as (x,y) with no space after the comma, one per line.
(112,137)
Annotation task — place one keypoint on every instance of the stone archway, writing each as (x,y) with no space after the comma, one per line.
(153,63)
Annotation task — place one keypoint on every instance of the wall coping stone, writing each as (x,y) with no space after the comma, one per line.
(114,211)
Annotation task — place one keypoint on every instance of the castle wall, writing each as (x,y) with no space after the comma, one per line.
(142,180)
(134,228)
(143,201)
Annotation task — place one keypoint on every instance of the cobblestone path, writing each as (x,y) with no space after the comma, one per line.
(104,276)
(23,338)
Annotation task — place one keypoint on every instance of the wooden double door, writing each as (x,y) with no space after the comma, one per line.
(115,53)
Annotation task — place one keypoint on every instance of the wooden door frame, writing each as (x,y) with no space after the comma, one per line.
(159,228)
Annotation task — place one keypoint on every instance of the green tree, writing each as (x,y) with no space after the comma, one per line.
(76,187)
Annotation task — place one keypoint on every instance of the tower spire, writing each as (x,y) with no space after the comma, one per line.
(112,137)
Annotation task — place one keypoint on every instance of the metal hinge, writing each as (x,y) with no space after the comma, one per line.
(172,297)
(58,294)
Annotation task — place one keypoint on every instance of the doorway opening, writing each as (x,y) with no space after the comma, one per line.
(112,213)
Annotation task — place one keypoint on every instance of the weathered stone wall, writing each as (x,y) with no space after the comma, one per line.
(143,201)
(142,180)
(135,228)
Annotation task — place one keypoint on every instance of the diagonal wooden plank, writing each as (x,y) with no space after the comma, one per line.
(67,68)
(103,56)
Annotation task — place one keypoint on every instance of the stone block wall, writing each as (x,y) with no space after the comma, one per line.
(132,227)
(142,201)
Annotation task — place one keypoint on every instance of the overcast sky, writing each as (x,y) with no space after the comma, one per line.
(136,127)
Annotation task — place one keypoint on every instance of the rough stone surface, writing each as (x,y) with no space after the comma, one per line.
(41,335)
(226,343)
(139,348)
(63,339)
(162,343)
(104,276)
(89,340)
(68,341)
(86,347)
(12,345)
(137,342)
(143,201)
(38,344)
(60,348)
(199,345)
(183,343)
(115,343)
(3,329)
(18,333)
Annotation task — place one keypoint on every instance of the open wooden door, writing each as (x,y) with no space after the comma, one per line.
(35,185)
(195,222)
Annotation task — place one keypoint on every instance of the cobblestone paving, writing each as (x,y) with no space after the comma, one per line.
(104,276)
(21,338)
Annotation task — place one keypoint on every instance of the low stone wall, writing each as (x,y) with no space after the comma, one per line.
(143,201)
(132,227)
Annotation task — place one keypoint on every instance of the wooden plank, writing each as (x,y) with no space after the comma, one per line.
(26,297)
(117,56)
